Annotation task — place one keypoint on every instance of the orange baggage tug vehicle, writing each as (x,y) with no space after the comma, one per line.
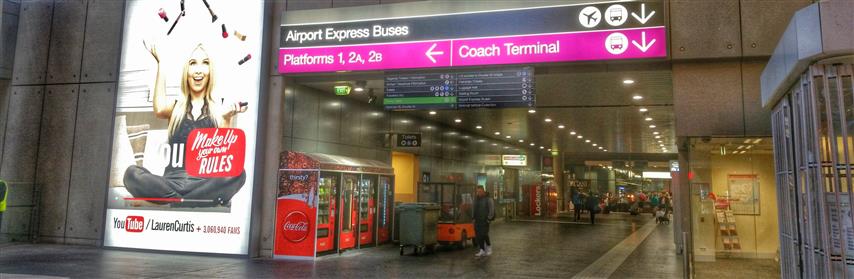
(456,213)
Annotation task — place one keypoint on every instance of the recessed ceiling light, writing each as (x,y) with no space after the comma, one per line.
(497,133)
(531,111)
(548,120)
(637,97)
(466,137)
(572,133)
(580,136)
(541,147)
(648,119)
(643,110)
(375,113)
(657,137)
(600,147)
(521,140)
(550,149)
(757,141)
(458,120)
(432,112)
(506,147)
(508,136)
(532,144)
(478,127)
(740,147)
(404,121)
(494,144)
(652,126)
(586,140)
(481,140)
(628,81)
(747,141)
(660,141)
(749,147)
(428,127)
(561,126)
(655,133)
(606,150)
(594,144)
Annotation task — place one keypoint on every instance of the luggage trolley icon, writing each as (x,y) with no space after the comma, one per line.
(616,14)
(616,43)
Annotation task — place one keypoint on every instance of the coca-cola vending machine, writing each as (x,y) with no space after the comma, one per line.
(367,209)
(328,204)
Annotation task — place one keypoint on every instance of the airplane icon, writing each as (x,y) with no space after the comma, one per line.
(590,17)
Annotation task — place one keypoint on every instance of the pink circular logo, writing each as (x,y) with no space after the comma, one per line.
(296,226)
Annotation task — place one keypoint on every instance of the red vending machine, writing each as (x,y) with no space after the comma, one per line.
(367,209)
(348,212)
(320,200)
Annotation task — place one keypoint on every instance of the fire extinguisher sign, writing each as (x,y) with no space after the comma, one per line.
(296,215)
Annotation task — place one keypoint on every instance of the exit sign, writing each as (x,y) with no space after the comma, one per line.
(342,90)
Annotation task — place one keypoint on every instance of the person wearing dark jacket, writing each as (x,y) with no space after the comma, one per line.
(484,212)
(593,206)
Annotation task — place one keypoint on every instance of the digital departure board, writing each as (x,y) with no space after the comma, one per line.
(496,88)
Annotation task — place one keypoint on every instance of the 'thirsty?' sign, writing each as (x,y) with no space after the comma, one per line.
(605,31)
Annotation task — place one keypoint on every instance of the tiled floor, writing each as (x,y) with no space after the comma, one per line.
(523,249)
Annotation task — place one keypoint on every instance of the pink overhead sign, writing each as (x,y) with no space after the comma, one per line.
(617,44)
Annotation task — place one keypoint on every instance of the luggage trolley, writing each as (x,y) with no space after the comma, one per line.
(456,213)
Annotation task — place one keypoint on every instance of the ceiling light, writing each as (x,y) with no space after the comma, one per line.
(466,137)
(628,81)
(572,133)
(458,120)
(757,141)
(532,144)
(404,121)
(643,110)
(360,86)
(600,147)
(660,141)
(561,126)
(541,147)
(548,120)
(506,147)
(662,145)
(652,126)
(657,137)
(580,136)
(508,136)
(521,140)
(432,112)
(375,114)
(531,111)
(740,147)
(497,133)
(637,97)
(428,127)
(550,149)
(655,133)
(481,140)
(648,119)
(587,141)
(749,147)
(606,150)
(594,144)
(494,144)
(478,127)
(747,141)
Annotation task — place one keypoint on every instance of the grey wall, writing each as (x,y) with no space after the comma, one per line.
(719,49)
(57,112)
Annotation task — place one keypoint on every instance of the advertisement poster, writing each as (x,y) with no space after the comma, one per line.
(744,194)
(184,136)
(296,214)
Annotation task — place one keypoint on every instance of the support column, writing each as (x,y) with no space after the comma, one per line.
(557,170)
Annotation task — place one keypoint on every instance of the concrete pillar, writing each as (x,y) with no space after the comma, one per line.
(558,168)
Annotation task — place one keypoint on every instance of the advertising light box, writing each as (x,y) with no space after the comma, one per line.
(186,118)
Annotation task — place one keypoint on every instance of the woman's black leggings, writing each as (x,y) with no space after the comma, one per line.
(176,184)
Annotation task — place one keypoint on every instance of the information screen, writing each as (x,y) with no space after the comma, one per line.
(496,88)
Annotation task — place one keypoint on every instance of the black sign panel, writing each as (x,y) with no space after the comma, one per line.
(408,140)
(497,88)
(537,20)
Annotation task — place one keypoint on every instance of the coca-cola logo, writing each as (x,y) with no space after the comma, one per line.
(296,226)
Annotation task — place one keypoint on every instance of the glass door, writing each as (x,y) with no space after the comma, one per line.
(326,211)
(385,198)
(347,211)
(367,208)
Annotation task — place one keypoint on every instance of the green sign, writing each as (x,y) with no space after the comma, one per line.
(342,90)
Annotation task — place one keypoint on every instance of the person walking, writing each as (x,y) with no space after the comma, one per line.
(577,204)
(593,206)
(484,212)
(4,191)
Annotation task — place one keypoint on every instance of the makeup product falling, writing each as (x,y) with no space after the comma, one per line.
(162,15)
(248,56)
(181,14)
(239,35)
(224,33)
(213,15)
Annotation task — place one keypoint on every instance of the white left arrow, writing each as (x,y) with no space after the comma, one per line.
(643,18)
(430,53)
(643,46)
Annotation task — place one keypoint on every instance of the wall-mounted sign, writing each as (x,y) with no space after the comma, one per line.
(496,88)
(514,160)
(408,140)
(342,90)
(578,32)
